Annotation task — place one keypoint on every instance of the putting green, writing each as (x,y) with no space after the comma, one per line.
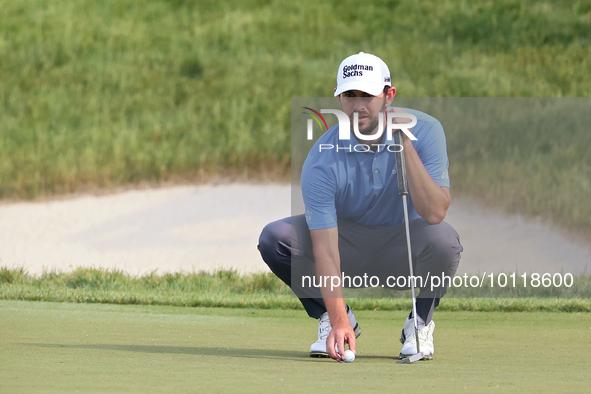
(51,347)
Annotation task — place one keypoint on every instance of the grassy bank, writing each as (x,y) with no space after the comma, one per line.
(263,290)
(99,94)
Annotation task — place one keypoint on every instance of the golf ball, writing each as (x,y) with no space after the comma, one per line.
(349,356)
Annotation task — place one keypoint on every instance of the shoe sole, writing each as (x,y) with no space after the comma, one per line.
(357,331)
(403,356)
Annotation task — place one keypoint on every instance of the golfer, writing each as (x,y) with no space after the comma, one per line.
(353,227)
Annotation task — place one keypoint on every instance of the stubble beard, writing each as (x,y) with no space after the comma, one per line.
(374,121)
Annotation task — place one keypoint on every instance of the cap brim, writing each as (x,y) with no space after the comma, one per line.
(370,88)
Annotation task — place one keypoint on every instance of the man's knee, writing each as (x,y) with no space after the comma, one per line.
(440,242)
(275,239)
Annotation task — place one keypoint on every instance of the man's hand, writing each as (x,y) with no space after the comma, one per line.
(400,120)
(340,334)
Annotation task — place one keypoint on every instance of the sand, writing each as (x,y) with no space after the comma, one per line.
(209,227)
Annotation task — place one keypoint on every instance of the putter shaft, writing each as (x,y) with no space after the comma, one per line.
(412,285)
(403,191)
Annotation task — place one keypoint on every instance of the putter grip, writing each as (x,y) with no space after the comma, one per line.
(400,165)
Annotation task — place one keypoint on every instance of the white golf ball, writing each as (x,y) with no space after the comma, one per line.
(349,356)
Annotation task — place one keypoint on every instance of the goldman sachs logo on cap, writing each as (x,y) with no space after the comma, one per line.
(356,70)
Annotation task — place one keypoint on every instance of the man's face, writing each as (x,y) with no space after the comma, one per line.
(368,108)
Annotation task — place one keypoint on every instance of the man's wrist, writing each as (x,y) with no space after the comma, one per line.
(337,311)
(407,143)
(341,318)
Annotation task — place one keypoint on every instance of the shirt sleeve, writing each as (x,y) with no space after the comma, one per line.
(433,153)
(319,193)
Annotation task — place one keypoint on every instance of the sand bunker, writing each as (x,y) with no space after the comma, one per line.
(209,227)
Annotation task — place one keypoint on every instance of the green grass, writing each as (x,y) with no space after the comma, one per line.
(99,94)
(229,289)
(528,156)
(49,347)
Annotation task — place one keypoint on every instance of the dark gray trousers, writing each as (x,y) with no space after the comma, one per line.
(286,247)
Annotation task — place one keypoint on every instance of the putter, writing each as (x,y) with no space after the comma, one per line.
(403,191)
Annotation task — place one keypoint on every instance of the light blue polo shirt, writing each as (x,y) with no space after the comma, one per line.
(363,186)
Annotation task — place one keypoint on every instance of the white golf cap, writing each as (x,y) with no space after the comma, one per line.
(365,72)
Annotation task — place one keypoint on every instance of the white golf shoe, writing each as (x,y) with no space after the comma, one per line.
(318,348)
(409,342)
